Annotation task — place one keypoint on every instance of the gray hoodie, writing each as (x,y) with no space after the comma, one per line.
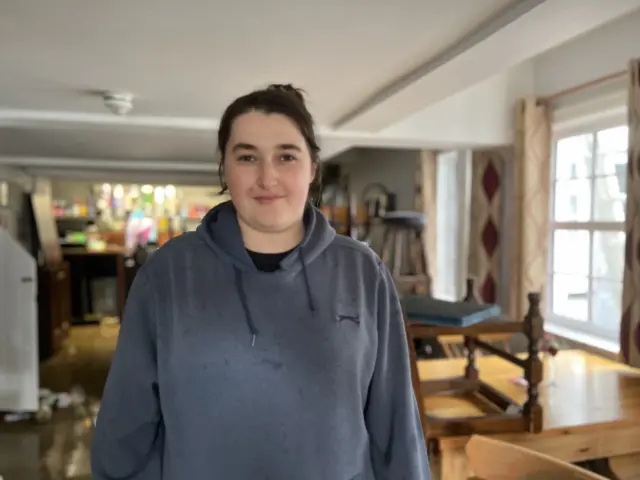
(224,372)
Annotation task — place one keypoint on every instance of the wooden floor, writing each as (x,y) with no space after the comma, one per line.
(85,360)
(59,449)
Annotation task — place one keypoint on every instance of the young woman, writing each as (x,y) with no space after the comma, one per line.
(263,345)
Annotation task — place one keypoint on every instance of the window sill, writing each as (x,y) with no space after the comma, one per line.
(589,341)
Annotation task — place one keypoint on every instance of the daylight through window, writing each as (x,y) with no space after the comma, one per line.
(587,231)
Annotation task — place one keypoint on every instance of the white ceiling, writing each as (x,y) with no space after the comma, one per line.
(191,58)
(367,66)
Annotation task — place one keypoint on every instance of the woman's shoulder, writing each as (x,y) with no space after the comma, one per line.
(350,248)
(176,250)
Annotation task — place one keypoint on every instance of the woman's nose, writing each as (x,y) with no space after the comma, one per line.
(268,174)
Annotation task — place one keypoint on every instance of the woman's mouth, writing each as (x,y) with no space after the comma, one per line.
(267,199)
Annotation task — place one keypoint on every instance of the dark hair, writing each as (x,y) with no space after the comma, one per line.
(286,100)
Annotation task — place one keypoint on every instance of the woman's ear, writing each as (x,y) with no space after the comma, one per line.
(314,172)
(221,179)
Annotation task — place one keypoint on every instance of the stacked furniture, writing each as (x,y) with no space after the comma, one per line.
(403,251)
(501,414)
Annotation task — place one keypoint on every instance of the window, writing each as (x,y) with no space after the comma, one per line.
(587,231)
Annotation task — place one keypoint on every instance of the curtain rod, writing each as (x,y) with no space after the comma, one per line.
(583,86)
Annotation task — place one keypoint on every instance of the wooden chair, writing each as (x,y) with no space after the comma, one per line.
(501,413)
(453,345)
(626,467)
(491,459)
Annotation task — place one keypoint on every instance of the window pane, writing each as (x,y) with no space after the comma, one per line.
(570,297)
(608,255)
(612,164)
(573,200)
(574,157)
(571,252)
(606,305)
(613,140)
(609,199)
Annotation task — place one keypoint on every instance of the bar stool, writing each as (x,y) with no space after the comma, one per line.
(404,253)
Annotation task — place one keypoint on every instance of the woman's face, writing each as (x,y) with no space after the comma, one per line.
(268,171)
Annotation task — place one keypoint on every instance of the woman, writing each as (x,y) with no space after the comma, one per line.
(263,345)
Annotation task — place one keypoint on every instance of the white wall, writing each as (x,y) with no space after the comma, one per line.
(599,53)
(603,51)
(16,176)
(156,177)
(482,115)
(69,190)
(394,168)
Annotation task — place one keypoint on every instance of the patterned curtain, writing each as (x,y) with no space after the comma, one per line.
(425,202)
(630,325)
(485,227)
(529,231)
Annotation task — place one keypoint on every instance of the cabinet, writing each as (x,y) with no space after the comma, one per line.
(54,308)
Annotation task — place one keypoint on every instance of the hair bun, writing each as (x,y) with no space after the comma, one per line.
(288,89)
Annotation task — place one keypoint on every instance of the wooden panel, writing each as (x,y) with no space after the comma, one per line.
(487,424)
(516,462)
(626,467)
(45,223)
(479,329)
(568,446)
(114,238)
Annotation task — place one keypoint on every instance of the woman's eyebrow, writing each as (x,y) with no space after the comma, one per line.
(243,146)
(288,146)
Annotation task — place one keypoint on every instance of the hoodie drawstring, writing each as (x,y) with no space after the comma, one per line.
(245,305)
(307,285)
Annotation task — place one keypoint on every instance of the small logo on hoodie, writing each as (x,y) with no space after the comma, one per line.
(350,318)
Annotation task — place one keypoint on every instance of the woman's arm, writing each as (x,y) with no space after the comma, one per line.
(398,450)
(128,440)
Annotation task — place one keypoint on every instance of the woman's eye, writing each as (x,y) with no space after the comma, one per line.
(287,158)
(246,158)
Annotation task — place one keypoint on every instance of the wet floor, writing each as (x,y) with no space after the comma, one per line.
(59,449)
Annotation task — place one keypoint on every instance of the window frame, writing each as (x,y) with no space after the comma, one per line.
(581,327)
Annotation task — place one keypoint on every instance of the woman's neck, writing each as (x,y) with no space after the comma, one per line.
(271,242)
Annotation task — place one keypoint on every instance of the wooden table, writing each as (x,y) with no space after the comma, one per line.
(591,410)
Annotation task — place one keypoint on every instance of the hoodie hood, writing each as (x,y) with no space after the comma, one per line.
(220,231)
